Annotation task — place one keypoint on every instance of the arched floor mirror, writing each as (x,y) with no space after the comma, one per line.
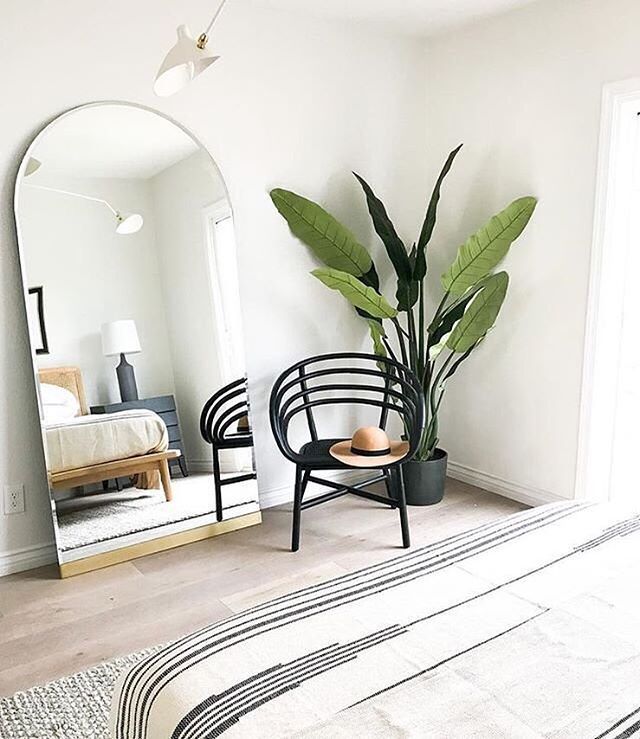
(128,257)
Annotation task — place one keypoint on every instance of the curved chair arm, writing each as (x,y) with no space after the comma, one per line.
(292,386)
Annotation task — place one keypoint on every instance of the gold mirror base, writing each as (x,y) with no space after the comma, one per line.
(117,556)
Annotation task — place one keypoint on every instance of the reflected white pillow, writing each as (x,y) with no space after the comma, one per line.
(58,404)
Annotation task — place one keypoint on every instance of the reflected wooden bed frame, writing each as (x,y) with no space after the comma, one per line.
(70,378)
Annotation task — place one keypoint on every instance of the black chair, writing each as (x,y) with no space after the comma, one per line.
(352,379)
(224,423)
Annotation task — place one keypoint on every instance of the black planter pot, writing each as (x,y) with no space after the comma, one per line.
(424,481)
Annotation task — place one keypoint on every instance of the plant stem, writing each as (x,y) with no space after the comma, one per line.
(431,433)
(387,346)
(400,331)
(413,353)
(399,327)
(423,360)
(440,308)
(437,379)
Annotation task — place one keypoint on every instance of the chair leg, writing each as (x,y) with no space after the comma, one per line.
(300,485)
(388,482)
(404,519)
(217,483)
(305,481)
(182,463)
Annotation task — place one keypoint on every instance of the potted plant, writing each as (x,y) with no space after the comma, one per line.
(434,349)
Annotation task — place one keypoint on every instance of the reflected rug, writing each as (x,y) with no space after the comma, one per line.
(143,510)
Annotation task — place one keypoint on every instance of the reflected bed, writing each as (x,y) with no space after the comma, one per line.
(88,448)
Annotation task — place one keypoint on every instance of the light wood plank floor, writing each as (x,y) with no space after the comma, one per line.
(51,627)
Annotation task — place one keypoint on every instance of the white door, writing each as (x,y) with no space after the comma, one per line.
(626,438)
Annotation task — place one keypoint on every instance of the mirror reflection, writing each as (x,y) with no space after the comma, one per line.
(131,281)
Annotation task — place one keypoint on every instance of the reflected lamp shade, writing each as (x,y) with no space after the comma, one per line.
(185,61)
(120,337)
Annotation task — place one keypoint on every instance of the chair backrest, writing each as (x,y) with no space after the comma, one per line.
(348,378)
(226,407)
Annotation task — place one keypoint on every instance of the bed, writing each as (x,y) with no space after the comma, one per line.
(84,448)
(525,627)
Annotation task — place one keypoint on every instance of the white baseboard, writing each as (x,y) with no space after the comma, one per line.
(515,491)
(27,558)
(200,465)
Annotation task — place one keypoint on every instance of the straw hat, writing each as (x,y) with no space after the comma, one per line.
(369,447)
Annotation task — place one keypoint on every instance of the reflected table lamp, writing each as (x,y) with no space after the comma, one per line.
(121,337)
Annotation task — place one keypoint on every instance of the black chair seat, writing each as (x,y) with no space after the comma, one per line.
(316,454)
(236,440)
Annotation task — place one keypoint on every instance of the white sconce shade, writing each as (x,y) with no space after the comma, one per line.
(33,165)
(120,337)
(185,61)
(129,223)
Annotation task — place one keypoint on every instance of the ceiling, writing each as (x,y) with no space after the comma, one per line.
(115,141)
(413,17)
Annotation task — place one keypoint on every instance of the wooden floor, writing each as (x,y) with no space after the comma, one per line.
(51,627)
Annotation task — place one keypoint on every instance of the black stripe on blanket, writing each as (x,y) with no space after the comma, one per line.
(148,678)
(626,731)
(226,709)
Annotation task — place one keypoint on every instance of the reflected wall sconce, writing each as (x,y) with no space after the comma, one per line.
(126,223)
(185,60)
(33,165)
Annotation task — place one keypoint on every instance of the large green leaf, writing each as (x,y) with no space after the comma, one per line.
(453,314)
(430,218)
(435,350)
(456,365)
(487,247)
(370,278)
(356,292)
(385,229)
(407,295)
(329,240)
(448,321)
(480,314)
(376,329)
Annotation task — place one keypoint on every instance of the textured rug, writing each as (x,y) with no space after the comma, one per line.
(142,510)
(75,707)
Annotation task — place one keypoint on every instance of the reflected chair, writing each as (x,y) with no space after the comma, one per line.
(355,380)
(224,423)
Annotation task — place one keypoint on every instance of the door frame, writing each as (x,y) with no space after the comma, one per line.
(603,336)
(231,460)
(211,213)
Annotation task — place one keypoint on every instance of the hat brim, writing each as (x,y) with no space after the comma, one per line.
(342,452)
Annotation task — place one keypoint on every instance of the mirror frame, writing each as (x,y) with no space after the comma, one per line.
(158,543)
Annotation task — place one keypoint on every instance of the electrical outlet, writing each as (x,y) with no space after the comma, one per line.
(13,499)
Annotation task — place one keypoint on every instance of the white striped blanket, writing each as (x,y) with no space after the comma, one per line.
(525,627)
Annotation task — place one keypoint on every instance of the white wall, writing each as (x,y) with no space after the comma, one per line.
(293,102)
(179,195)
(91,276)
(523,92)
